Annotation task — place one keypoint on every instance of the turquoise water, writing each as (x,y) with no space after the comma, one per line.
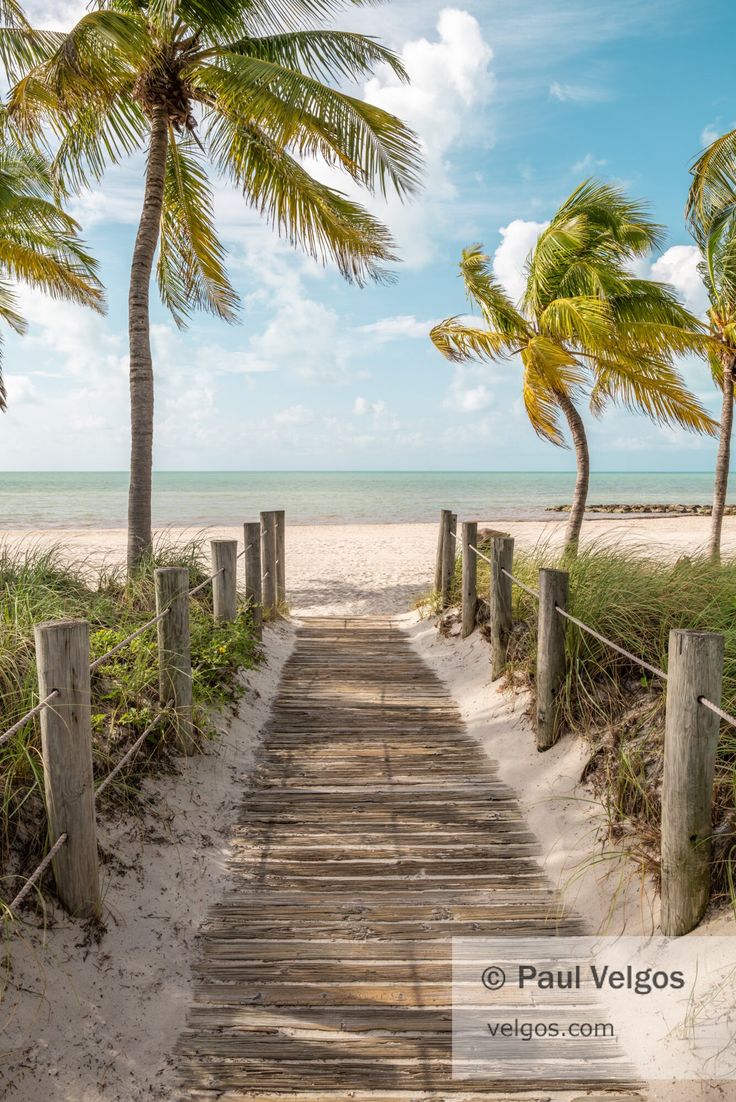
(58,500)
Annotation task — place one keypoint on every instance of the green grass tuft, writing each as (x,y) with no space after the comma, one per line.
(634,599)
(41,584)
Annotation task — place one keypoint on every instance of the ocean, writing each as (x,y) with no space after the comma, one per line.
(91,499)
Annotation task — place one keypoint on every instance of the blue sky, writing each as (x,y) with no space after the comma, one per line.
(514,109)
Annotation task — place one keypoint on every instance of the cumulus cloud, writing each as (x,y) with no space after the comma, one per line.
(517,241)
(679,266)
(450,81)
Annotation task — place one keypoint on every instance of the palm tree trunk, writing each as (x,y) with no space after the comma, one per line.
(140,539)
(723,460)
(582,457)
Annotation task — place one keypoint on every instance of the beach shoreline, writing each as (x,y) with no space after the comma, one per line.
(360,568)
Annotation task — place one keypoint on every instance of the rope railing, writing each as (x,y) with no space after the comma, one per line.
(522,585)
(124,643)
(206,582)
(725,716)
(127,756)
(480,554)
(36,710)
(610,643)
(68,738)
(692,714)
(36,874)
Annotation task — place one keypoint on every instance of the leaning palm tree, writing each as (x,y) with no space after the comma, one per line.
(38,242)
(237,84)
(585,325)
(717,241)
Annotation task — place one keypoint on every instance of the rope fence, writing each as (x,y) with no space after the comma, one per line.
(205,583)
(64,675)
(125,642)
(127,757)
(36,710)
(37,874)
(693,711)
(613,646)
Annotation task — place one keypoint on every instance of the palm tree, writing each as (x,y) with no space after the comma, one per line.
(711,212)
(38,242)
(236,84)
(717,241)
(585,325)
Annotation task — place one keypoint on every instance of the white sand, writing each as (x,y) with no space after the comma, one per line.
(98,1023)
(352,569)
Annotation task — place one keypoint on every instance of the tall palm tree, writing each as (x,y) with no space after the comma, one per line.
(717,241)
(585,325)
(38,242)
(237,84)
(711,212)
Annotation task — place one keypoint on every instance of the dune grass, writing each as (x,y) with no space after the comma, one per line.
(41,584)
(633,599)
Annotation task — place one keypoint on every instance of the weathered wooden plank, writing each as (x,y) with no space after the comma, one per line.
(373,832)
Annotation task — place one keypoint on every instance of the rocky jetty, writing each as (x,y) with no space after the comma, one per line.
(648,509)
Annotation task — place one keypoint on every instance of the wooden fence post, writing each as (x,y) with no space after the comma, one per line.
(174,649)
(280,542)
(449,551)
(62,659)
(553,586)
(253,592)
(470,577)
(502,558)
(444,522)
(268,563)
(694,670)
(224,583)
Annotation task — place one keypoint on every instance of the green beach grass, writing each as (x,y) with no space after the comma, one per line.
(634,599)
(38,585)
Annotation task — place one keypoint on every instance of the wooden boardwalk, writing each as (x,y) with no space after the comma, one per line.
(374,832)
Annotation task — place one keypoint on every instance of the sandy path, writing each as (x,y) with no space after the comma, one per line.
(350,569)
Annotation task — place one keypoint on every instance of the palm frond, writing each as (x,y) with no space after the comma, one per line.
(460,342)
(273,97)
(581,321)
(322,54)
(191,271)
(312,216)
(714,183)
(652,387)
(488,294)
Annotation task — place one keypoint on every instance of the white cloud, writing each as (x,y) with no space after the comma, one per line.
(21,391)
(578,93)
(517,241)
(679,266)
(397,328)
(588,163)
(294,415)
(57,15)
(467,393)
(450,81)
(709,133)
(362,407)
